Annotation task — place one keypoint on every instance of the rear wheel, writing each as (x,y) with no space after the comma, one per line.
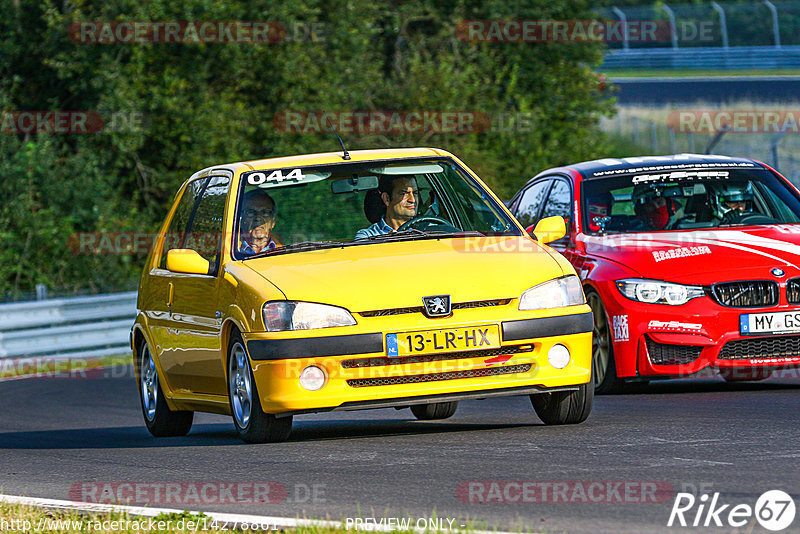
(159,419)
(435,410)
(742,374)
(564,407)
(252,424)
(604,370)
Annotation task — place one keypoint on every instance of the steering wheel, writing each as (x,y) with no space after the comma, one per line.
(756,218)
(429,220)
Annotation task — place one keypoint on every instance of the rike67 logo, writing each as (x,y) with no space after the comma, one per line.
(774,510)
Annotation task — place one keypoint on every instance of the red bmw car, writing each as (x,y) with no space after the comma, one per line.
(689,262)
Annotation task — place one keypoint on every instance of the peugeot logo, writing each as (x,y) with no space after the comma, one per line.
(437,305)
(778,272)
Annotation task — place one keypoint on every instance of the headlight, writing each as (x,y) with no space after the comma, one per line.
(288,315)
(556,293)
(657,292)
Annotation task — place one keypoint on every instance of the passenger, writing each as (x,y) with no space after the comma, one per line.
(654,210)
(599,210)
(257,223)
(401,197)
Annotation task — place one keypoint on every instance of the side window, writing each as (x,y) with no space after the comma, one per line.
(205,234)
(531,201)
(181,218)
(559,201)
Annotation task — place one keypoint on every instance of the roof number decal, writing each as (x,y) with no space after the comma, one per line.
(275,177)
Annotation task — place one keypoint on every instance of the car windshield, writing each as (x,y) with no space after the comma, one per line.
(686,199)
(303,208)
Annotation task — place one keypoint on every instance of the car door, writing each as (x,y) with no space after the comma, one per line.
(196,313)
(157,302)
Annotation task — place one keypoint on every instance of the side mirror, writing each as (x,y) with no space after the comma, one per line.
(184,260)
(549,229)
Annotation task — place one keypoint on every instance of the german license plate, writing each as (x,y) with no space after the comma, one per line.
(751,324)
(444,340)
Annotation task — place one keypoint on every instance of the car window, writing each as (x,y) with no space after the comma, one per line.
(687,199)
(530,202)
(176,232)
(342,204)
(558,201)
(205,233)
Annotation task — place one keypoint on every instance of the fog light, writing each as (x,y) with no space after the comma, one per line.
(558,356)
(312,378)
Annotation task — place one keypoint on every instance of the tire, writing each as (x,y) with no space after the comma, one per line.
(742,374)
(252,424)
(159,419)
(564,407)
(604,369)
(435,410)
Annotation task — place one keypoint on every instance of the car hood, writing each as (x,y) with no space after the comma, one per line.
(703,257)
(398,274)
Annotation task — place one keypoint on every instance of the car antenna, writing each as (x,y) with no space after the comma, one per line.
(346,155)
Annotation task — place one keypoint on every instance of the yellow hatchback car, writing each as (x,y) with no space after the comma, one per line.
(379,278)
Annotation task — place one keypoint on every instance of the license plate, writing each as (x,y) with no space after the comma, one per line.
(444,340)
(751,324)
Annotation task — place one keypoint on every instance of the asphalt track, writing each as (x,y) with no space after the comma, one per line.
(714,90)
(701,436)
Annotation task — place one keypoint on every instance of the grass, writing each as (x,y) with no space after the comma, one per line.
(700,73)
(59,367)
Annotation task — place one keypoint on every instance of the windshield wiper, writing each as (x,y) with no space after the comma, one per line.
(297,247)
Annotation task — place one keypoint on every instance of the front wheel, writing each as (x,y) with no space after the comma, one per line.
(604,370)
(564,407)
(435,410)
(252,424)
(158,418)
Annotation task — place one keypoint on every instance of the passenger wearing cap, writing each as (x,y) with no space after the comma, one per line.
(599,207)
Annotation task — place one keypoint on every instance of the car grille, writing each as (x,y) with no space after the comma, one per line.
(793,291)
(420,309)
(380,362)
(435,377)
(746,294)
(664,354)
(765,348)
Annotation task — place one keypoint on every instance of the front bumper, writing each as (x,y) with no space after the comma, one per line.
(652,340)
(360,375)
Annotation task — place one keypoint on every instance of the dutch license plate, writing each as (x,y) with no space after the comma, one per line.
(444,340)
(751,324)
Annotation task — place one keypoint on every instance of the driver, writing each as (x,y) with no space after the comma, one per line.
(737,202)
(401,197)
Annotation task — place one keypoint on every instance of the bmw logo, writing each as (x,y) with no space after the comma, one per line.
(778,272)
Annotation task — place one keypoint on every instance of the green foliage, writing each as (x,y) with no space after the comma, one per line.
(208,103)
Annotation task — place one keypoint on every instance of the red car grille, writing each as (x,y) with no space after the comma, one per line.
(435,377)
(764,348)
(793,291)
(746,294)
(664,354)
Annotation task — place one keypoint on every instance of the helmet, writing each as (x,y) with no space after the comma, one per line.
(734,192)
(648,207)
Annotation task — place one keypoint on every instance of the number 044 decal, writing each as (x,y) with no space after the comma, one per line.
(276,176)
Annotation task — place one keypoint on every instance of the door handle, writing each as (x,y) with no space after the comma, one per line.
(170,293)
